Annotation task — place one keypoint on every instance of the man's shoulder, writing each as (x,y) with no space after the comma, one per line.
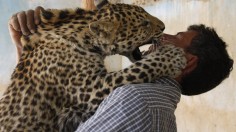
(163,93)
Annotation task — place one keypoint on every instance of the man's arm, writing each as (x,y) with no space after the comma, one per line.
(23,23)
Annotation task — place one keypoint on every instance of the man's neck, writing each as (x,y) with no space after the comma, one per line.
(178,79)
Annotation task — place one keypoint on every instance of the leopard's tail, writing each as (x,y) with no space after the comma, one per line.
(55,15)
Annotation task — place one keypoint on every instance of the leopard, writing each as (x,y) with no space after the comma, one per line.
(61,79)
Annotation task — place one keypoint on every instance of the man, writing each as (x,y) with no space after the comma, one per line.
(151,106)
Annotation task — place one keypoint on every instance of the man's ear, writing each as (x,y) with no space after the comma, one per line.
(192,61)
(103,29)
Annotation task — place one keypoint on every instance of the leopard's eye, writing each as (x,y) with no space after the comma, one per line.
(145,23)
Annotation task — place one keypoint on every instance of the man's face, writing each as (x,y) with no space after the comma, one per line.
(181,39)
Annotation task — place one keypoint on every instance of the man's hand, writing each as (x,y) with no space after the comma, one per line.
(23,23)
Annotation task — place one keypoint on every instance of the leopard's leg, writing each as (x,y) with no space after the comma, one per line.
(168,60)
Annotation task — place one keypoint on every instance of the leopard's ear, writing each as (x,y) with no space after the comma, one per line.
(103,29)
(100,3)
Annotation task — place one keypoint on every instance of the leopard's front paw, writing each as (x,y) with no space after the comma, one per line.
(177,62)
(171,60)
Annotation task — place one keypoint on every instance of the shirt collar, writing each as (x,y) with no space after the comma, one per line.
(170,81)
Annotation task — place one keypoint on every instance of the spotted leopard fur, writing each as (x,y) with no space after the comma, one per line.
(61,79)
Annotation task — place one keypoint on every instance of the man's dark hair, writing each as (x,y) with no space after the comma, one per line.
(214,63)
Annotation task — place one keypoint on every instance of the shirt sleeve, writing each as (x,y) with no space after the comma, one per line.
(122,111)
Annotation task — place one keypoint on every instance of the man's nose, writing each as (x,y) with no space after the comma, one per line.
(163,35)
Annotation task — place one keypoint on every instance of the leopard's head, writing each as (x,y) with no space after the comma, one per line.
(122,28)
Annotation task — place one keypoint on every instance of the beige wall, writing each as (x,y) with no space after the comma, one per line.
(214,111)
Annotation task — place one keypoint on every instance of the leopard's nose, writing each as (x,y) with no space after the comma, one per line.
(163,28)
